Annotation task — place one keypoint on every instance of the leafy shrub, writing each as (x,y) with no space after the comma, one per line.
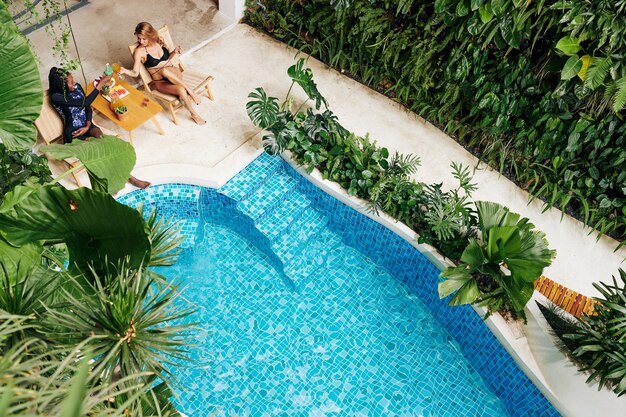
(526,86)
(365,170)
(18,167)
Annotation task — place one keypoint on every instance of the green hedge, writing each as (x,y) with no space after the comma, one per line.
(533,88)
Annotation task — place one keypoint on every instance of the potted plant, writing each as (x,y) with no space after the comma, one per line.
(121,112)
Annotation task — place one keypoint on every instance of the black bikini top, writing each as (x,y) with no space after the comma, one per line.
(152,61)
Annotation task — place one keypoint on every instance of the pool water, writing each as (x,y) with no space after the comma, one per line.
(355,343)
(308,308)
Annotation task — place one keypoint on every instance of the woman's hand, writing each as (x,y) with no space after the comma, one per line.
(79,132)
(178,50)
(104,79)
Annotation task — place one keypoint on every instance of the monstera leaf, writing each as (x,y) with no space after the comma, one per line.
(304,78)
(95,228)
(262,109)
(108,158)
(21,92)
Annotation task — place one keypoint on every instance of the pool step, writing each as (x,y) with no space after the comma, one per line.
(267,196)
(283,214)
(251,177)
(296,230)
(288,244)
(311,257)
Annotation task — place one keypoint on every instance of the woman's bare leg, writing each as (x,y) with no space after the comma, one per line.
(174,75)
(179,91)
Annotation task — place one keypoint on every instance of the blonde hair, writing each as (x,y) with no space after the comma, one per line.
(147,30)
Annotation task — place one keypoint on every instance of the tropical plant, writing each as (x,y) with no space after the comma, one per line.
(499,269)
(121,109)
(496,75)
(17,167)
(599,342)
(40,380)
(130,319)
(44,227)
(20,93)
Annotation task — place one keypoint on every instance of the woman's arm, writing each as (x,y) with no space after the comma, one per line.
(138,62)
(63,100)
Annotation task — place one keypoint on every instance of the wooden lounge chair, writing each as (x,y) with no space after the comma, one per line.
(199,82)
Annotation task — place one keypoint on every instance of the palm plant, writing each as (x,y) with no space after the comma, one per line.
(599,342)
(42,380)
(131,321)
(498,270)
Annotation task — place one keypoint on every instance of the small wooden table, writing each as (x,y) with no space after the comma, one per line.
(137,115)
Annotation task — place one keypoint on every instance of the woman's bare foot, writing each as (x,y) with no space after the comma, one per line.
(199,120)
(138,183)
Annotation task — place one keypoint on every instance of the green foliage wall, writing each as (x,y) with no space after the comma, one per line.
(534,88)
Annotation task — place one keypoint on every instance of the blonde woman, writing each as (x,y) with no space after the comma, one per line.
(161,64)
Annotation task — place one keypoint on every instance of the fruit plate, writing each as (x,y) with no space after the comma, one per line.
(118,91)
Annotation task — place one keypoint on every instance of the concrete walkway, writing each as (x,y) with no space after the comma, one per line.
(242,59)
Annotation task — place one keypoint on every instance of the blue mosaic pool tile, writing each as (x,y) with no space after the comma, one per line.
(283,215)
(176,202)
(251,177)
(385,248)
(297,235)
(311,257)
(267,196)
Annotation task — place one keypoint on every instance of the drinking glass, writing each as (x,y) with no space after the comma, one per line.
(116,69)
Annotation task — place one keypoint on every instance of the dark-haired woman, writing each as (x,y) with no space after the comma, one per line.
(161,64)
(68,98)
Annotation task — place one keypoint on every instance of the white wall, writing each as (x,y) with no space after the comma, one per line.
(233,8)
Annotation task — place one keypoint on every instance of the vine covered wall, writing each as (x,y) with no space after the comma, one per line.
(536,89)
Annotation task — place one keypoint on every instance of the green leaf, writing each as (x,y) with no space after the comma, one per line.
(568,45)
(453,279)
(485,12)
(304,78)
(501,242)
(519,292)
(509,32)
(263,110)
(597,72)
(93,225)
(21,93)
(109,158)
(462,8)
(619,99)
(476,4)
(17,261)
(73,404)
(498,7)
(473,254)
(492,214)
(571,68)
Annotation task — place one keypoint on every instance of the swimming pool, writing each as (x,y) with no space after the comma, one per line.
(309,308)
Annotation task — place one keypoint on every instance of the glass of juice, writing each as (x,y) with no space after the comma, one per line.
(116,69)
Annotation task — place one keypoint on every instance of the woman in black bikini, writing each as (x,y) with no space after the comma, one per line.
(160,63)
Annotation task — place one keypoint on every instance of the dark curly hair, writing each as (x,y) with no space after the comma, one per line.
(57,79)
